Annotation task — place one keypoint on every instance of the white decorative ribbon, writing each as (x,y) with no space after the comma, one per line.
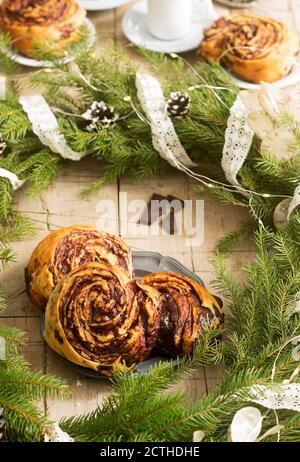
(45,126)
(238,140)
(2,87)
(285,208)
(294,202)
(279,397)
(12,177)
(164,137)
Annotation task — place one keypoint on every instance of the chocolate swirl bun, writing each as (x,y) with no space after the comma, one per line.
(32,21)
(186,306)
(99,319)
(66,249)
(255,48)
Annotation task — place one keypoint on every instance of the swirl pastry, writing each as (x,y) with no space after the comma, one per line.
(186,305)
(66,249)
(99,319)
(32,21)
(256,48)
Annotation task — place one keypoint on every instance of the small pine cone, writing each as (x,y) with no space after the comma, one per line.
(100,113)
(2,145)
(178,105)
(2,424)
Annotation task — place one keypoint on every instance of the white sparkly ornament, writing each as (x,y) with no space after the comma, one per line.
(272,431)
(294,202)
(57,436)
(295,308)
(285,208)
(296,353)
(285,396)
(12,177)
(246,425)
(198,436)
(266,107)
(280,214)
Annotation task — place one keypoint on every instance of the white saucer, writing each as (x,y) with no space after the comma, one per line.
(97,5)
(24,61)
(291,79)
(136,30)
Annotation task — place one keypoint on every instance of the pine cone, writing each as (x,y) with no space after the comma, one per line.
(178,105)
(2,424)
(2,145)
(100,113)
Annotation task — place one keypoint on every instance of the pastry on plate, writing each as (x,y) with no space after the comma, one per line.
(99,319)
(65,249)
(255,48)
(33,21)
(186,306)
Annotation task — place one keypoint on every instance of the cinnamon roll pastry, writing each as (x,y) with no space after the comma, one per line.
(186,306)
(32,21)
(256,48)
(68,248)
(99,319)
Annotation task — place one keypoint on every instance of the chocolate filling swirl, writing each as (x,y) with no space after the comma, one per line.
(37,12)
(186,306)
(246,37)
(99,319)
(66,249)
(80,247)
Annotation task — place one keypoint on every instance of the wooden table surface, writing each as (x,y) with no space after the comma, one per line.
(63,205)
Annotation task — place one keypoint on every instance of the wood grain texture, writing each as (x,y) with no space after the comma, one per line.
(63,205)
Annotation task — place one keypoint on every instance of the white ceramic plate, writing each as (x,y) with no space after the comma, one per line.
(291,79)
(97,5)
(237,4)
(24,61)
(136,30)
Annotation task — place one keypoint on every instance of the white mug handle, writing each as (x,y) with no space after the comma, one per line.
(206,6)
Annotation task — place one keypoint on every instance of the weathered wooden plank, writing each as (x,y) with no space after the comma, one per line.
(63,205)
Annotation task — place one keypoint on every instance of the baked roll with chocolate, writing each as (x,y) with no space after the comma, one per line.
(99,319)
(32,21)
(66,249)
(186,306)
(256,48)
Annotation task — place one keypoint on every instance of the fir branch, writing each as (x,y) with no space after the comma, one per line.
(17,228)
(231,240)
(22,417)
(7,64)
(36,385)
(2,299)
(44,171)
(7,256)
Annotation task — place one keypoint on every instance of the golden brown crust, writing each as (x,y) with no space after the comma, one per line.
(66,249)
(186,306)
(99,319)
(32,21)
(256,48)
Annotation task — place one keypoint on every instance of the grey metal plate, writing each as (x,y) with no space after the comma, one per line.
(144,263)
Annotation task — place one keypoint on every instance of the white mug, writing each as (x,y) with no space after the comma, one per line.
(172,19)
